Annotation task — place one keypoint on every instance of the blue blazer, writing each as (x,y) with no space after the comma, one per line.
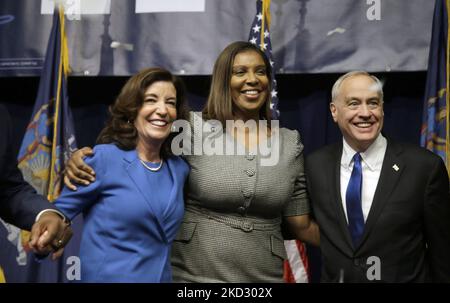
(124,238)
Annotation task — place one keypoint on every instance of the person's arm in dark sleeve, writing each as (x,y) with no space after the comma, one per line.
(437,223)
(19,202)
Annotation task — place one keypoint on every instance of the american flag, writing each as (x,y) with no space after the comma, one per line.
(260,35)
(296,267)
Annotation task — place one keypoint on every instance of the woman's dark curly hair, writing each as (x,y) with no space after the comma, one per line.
(120,128)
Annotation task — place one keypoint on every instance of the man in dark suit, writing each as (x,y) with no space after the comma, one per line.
(383,208)
(20,205)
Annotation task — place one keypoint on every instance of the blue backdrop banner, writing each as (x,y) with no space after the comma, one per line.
(115,37)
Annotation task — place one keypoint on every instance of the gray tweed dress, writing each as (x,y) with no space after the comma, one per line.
(234,206)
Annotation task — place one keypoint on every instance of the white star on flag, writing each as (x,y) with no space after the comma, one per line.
(260,36)
(256,28)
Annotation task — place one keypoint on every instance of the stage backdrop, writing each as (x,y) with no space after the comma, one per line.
(116,37)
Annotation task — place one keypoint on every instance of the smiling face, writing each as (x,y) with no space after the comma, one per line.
(154,119)
(358,110)
(249,85)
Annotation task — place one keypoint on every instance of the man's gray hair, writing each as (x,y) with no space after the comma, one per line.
(338,83)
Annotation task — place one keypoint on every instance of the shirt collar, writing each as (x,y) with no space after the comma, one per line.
(372,157)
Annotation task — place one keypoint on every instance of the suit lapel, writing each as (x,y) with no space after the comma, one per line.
(172,202)
(391,170)
(137,173)
(336,196)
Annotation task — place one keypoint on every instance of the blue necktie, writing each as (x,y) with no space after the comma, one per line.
(353,200)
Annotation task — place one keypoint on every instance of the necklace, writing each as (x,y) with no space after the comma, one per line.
(152,168)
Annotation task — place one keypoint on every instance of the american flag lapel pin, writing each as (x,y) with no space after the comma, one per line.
(395,167)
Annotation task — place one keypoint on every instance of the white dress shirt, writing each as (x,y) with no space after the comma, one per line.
(56,212)
(372,161)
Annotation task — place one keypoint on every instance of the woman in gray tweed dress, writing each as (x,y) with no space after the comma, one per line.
(231,231)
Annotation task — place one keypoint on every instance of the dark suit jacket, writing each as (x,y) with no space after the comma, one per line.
(19,202)
(408,226)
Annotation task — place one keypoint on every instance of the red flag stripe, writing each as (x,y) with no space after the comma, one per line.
(296,268)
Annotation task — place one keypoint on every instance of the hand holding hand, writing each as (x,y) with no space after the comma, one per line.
(50,233)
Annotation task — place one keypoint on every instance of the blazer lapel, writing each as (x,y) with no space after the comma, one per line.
(137,173)
(171,205)
(391,170)
(335,183)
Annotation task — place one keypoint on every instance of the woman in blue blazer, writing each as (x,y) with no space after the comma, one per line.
(133,209)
